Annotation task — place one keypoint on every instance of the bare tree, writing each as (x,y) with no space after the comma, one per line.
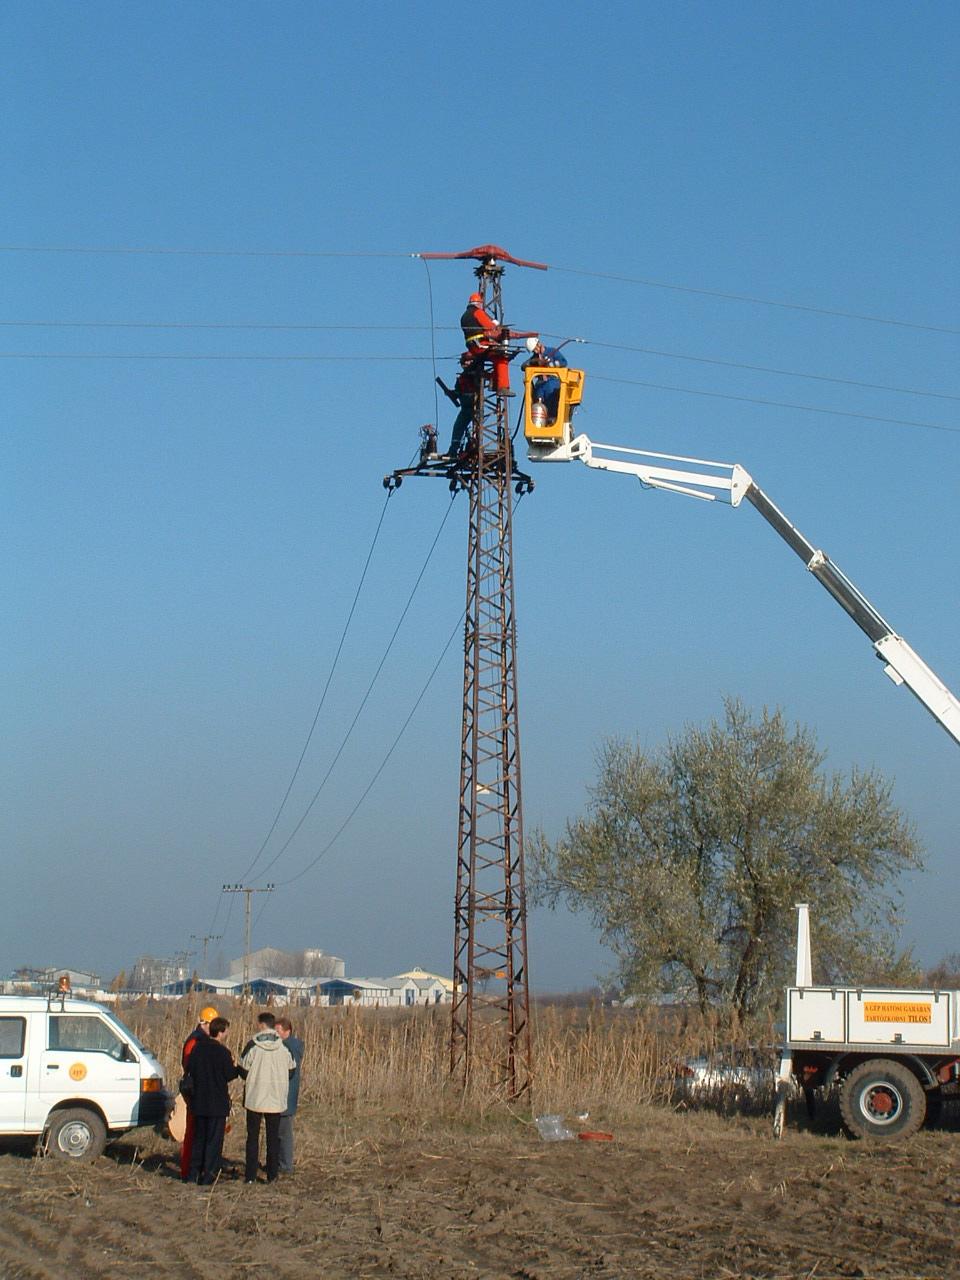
(690,862)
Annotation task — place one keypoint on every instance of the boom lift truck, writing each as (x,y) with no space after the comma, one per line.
(895,1054)
(552,440)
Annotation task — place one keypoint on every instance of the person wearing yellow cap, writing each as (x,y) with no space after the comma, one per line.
(202,1028)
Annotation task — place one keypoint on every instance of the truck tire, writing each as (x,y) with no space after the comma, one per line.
(76,1134)
(883,1100)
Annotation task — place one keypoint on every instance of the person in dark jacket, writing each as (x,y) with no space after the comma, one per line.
(294,1046)
(465,392)
(212,1068)
(200,1032)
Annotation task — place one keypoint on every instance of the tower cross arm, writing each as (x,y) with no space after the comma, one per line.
(483,252)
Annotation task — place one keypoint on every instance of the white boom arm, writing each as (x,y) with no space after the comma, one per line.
(698,478)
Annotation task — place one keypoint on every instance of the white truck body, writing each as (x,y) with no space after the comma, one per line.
(867,1018)
(60,1055)
(894,1052)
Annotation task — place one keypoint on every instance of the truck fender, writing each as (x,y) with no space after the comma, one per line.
(844,1065)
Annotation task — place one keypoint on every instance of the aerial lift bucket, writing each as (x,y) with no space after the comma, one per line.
(540,425)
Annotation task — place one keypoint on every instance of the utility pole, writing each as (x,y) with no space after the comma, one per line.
(490,1013)
(248,892)
(203,939)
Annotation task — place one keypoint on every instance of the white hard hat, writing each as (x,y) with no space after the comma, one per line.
(532,343)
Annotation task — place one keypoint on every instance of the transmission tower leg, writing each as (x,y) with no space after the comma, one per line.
(490,1036)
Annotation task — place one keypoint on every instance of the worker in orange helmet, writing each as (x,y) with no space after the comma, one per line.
(202,1028)
(483,338)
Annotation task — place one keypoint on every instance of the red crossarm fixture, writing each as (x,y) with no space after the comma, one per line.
(484,252)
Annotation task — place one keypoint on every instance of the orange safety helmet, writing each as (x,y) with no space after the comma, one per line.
(208,1014)
(475,299)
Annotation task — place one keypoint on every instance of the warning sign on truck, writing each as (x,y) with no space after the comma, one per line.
(896,1011)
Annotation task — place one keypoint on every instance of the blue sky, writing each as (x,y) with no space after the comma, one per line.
(185,536)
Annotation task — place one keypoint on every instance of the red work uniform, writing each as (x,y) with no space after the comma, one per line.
(480,333)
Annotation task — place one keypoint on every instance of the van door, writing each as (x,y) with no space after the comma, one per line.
(13,1073)
(86,1058)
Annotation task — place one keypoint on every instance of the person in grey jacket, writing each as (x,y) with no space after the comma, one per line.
(268,1069)
(294,1046)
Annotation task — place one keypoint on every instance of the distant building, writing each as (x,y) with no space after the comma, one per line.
(271,962)
(28,979)
(401,990)
(429,980)
(151,973)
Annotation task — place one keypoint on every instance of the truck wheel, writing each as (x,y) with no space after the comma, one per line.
(76,1134)
(883,1100)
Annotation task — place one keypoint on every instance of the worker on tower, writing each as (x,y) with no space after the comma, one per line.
(484,340)
(464,395)
(545,389)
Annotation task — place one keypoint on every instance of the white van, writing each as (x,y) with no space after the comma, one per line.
(74,1075)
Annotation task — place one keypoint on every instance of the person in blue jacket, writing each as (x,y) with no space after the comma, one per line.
(294,1046)
(546,389)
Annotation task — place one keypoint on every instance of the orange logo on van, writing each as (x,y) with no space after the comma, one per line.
(77,1071)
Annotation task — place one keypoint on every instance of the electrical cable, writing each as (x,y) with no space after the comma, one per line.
(134,251)
(114,355)
(764,302)
(393,746)
(323,697)
(363,701)
(383,763)
(433,344)
(434,328)
(226,922)
(129,250)
(367,359)
(216,912)
(760,368)
(779,404)
(190,324)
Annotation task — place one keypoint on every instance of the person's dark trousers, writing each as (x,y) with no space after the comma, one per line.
(271,1120)
(207,1148)
(286,1144)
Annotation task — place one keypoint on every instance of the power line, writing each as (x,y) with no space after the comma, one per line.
(779,404)
(135,251)
(760,368)
(368,359)
(363,701)
(757,301)
(641,281)
(113,355)
(383,763)
(254,327)
(251,325)
(326,688)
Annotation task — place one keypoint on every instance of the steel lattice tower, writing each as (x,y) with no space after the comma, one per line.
(490,923)
(490,1029)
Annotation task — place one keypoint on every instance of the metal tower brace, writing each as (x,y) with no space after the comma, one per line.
(490,1028)
(491,994)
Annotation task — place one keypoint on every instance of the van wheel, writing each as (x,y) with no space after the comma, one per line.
(76,1134)
(882,1099)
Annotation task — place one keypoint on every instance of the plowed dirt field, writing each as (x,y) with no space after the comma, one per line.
(674,1195)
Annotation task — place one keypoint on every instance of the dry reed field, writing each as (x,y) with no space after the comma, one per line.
(399,1175)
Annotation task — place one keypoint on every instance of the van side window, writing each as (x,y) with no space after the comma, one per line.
(12,1034)
(91,1034)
